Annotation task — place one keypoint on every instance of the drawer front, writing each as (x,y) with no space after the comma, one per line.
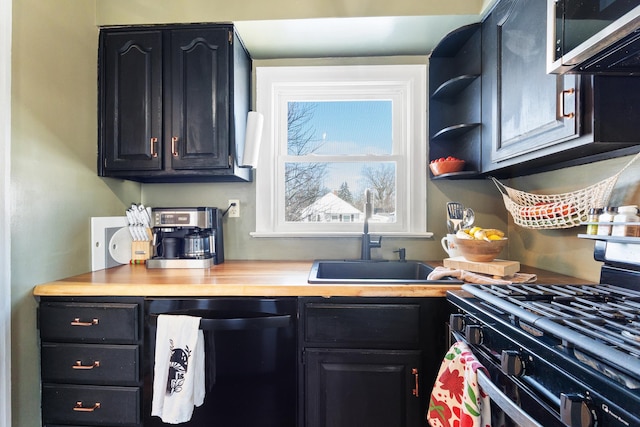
(362,325)
(90,322)
(90,405)
(90,363)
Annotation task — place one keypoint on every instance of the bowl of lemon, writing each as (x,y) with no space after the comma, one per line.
(480,244)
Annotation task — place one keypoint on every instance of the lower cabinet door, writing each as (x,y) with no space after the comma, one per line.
(90,405)
(373,388)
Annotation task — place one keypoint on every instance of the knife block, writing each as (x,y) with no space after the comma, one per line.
(141,250)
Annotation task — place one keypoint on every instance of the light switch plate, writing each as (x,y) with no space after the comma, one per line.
(102,229)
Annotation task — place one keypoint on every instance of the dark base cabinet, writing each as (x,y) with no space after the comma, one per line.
(90,352)
(369,361)
(286,361)
(373,388)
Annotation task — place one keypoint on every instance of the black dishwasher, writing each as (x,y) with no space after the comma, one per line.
(250,348)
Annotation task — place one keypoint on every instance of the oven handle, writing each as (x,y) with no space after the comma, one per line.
(514,412)
(240,323)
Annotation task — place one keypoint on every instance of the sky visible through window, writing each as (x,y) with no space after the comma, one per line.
(344,129)
(352,127)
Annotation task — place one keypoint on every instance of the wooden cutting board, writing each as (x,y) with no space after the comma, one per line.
(497,267)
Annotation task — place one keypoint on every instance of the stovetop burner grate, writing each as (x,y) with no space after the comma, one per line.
(602,320)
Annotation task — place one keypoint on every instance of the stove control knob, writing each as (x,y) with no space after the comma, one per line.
(473,334)
(575,412)
(511,363)
(456,322)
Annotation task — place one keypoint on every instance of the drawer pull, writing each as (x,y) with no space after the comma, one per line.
(79,365)
(416,391)
(77,322)
(80,408)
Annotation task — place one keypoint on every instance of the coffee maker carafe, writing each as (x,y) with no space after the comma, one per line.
(186,237)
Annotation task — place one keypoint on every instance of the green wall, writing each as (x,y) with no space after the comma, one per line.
(54,186)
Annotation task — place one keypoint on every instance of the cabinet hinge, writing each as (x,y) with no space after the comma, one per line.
(230,37)
(230,161)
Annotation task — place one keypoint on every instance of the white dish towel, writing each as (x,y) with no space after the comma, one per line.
(178,373)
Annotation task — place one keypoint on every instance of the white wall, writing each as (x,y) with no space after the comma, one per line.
(5,233)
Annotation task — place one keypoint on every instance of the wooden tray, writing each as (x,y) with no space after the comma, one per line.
(497,267)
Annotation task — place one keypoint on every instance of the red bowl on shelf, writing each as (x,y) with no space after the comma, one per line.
(446,166)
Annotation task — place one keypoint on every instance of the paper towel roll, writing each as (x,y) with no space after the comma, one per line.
(253,136)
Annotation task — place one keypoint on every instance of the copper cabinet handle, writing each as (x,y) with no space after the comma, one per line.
(77,322)
(562,101)
(416,391)
(174,146)
(153,142)
(80,408)
(79,365)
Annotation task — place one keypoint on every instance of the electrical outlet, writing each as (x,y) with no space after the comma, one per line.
(234,211)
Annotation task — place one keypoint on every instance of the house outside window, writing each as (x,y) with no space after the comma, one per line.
(330,133)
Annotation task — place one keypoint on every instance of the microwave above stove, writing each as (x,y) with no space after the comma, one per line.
(594,37)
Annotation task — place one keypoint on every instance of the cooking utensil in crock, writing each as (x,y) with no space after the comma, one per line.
(455,211)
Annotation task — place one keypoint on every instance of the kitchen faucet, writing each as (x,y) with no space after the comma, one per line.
(367,243)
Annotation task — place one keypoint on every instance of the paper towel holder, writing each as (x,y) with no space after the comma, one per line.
(253,137)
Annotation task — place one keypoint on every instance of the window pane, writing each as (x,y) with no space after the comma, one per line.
(339,128)
(334,191)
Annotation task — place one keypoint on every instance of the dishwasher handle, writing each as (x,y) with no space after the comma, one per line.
(240,323)
(507,405)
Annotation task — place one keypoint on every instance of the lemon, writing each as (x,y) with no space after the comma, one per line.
(474,230)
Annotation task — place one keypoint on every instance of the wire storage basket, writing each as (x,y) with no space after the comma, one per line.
(555,211)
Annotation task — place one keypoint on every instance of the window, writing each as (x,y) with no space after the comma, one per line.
(332,132)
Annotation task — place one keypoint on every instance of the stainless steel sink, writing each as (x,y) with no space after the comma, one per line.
(372,272)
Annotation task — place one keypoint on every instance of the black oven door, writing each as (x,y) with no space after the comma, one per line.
(513,402)
(250,350)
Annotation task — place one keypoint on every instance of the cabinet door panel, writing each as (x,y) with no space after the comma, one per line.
(533,109)
(132,133)
(373,388)
(200,99)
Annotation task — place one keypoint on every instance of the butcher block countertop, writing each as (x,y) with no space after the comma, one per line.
(241,278)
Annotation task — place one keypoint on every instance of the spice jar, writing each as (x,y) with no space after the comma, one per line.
(592,218)
(626,214)
(607,216)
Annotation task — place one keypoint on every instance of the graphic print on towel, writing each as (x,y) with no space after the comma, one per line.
(178,365)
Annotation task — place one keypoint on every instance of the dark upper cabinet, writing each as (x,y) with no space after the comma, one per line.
(493,104)
(532,109)
(533,120)
(131,101)
(173,103)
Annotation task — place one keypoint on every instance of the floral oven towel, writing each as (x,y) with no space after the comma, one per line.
(456,398)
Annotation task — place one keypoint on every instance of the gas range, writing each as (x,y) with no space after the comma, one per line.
(566,355)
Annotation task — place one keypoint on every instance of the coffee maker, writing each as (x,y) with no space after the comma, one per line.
(186,237)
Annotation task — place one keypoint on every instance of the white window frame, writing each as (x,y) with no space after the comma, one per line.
(404,84)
